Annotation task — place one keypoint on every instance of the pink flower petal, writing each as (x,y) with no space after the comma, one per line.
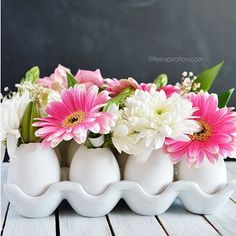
(90,78)
(211,147)
(194,148)
(211,157)
(57,80)
(221,138)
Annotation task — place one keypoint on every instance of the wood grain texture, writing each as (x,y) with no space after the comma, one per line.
(17,225)
(225,219)
(125,222)
(72,224)
(231,175)
(4,201)
(178,222)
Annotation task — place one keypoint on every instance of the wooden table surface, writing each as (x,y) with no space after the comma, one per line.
(121,221)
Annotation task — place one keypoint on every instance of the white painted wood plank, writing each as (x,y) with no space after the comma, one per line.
(225,219)
(4,201)
(179,222)
(20,226)
(231,175)
(125,223)
(72,224)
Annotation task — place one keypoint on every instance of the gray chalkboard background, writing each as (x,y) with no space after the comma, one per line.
(122,38)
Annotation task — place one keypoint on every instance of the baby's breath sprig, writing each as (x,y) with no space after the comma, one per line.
(188,83)
(38,93)
(8,94)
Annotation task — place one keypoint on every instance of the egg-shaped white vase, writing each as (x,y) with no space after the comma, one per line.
(153,175)
(210,177)
(33,168)
(95,169)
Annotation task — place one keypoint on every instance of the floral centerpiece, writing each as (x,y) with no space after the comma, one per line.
(153,127)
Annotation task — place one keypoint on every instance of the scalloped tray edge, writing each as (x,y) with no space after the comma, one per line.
(138,200)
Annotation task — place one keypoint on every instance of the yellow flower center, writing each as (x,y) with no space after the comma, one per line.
(204,134)
(74,119)
(160,110)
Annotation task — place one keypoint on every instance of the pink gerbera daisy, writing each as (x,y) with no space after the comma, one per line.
(74,116)
(217,138)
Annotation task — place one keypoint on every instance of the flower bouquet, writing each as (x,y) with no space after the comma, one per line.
(88,139)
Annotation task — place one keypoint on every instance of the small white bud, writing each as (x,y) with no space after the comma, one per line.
(190,74)
(6,89)
(184,74)
(187,80)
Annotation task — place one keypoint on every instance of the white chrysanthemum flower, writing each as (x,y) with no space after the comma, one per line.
(150,117)
(12,111)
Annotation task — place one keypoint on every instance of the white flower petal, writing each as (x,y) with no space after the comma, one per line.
(12,111)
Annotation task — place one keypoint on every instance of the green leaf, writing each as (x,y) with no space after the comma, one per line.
(207,77)
(108,142)
(161,80)
(34,114)
(24,123)
(31,75)
(224,97)
(88,144)
(120,97)
(27,129)
(71,80)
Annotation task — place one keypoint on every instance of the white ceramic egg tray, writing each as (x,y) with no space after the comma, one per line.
(138,200)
